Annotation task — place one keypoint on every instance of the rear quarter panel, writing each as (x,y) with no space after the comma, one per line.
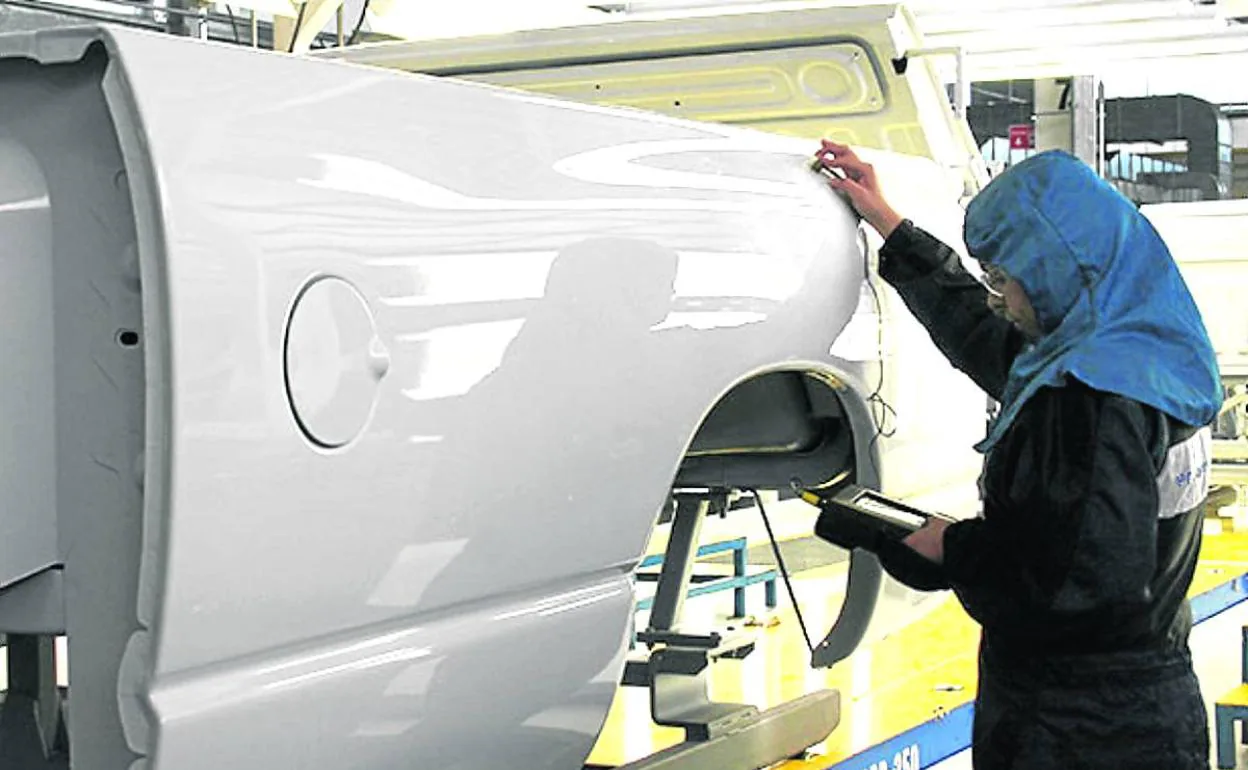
(555,294)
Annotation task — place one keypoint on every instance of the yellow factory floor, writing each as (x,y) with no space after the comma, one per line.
(911,676)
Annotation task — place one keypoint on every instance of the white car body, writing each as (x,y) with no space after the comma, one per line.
(348,399)
(808,70)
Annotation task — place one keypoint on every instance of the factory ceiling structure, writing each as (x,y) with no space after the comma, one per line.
(998,34)
(1179,41)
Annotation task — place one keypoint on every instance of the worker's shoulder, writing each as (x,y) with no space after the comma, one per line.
(1074,391)
(1076,403)
(1063,429)
(1079,406)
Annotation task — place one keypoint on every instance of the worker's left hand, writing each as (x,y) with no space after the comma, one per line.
(858,180)
(929,541)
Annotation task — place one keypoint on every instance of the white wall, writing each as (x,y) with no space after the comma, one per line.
(1239,133)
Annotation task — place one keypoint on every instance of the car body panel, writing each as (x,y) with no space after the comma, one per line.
(808,71)
(412,543)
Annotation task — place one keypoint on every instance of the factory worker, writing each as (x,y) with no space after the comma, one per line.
(1095,467)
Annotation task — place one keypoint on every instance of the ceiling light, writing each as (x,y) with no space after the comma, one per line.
(938,23)
(1025,38)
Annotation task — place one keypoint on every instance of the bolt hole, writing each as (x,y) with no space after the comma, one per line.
(677,102)
(127,338)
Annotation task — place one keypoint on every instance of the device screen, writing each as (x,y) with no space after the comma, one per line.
(884,510)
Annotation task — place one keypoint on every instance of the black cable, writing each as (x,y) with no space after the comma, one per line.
(234,25)
(298,25)
(876,398)
(880,409)
(784,572)
(359,24)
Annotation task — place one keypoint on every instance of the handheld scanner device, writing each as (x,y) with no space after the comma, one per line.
(854,517)
(854,508)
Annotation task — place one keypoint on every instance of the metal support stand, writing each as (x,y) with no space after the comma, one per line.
(722,736)
(703,584)
(669,598)
(32,736)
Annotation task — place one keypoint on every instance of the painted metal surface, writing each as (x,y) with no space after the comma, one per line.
(809,69)
(27,540)
(79,388)
(334,362)
(813,71)
(562,292)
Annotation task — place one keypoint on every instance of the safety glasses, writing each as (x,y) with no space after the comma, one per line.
(994,280)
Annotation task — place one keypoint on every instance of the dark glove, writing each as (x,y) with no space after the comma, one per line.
(848,530)
(908,567)
(851,531)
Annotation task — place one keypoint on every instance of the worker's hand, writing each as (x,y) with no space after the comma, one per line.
(929,541)
(860,184)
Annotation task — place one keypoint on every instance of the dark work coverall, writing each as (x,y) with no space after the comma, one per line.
(1076,576)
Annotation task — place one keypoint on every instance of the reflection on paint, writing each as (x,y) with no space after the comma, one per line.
(586,602)
(413,570)
(751,275)
(373,661)
(414,680)
(619,165)
(346,174)
(554,605)
(459,279)
(456,279)
(387,728)
(454,359)
(28,204)
(708,320)
(575,717)
(339,652)
(860,340)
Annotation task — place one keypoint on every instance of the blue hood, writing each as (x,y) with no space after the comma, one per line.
(1115,312)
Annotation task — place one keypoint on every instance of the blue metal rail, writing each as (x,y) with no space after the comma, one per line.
(740,579)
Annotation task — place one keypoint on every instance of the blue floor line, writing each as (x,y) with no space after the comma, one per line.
(938,739)
(1218,600)
(928,744)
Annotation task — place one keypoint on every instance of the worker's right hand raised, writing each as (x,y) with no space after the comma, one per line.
(860,184)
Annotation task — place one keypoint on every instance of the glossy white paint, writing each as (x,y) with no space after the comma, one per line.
(818,70)
(333,362)
(555,296)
